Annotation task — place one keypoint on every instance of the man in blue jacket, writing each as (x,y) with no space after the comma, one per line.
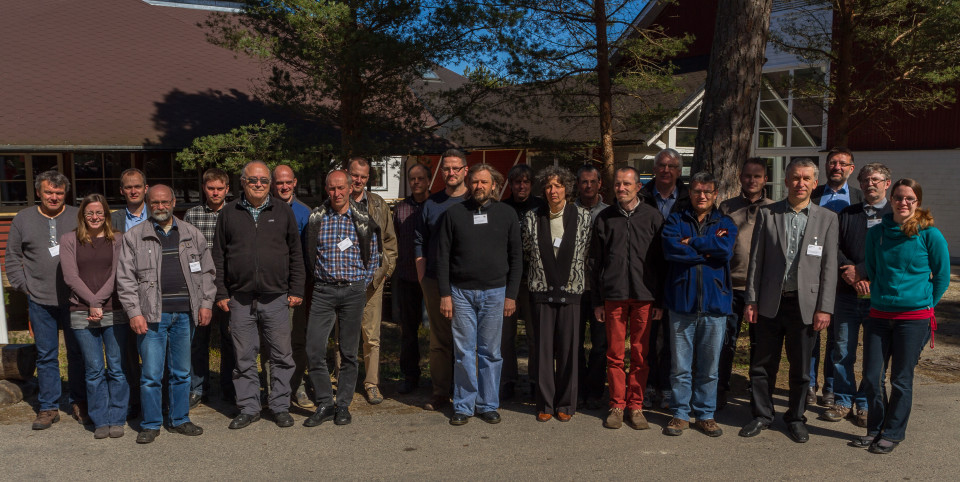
(698,244)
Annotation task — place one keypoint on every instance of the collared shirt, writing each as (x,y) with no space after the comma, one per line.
(254,211)
(873,212)
(835,200)
(405,218)
(665,205)
(133,220)
(795,223)
(205,219)
(343,265)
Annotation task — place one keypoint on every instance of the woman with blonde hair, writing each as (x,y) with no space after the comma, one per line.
(88,257)
(908,265)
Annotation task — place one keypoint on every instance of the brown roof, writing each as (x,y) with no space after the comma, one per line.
(116,73)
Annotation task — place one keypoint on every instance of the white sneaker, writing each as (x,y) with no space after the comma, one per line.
(665,398)
(649,397)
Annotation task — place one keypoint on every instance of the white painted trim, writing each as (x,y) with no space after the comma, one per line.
(691,105)
(193,6)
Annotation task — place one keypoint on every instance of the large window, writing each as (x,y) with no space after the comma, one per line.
(19,171)
(99,172)
(161,168)
(788,116)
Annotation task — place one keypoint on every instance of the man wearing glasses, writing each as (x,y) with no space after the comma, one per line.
(260,276)
(453,168)
(835,195)
(668,194)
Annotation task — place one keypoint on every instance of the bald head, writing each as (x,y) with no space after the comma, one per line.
(284,183)
(161,201)
(159,191)
(250,167)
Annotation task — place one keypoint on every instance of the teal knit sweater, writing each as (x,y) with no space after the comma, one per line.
(900,267)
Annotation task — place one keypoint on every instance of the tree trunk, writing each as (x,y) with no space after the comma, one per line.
(605,90)
(839,117)
(728,114)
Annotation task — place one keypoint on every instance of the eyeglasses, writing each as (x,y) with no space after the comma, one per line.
(161,203)
(256,180)
(839,163)
(874,180)
(93,215)
(698,192)
(901,199)
(667,166)
(451,170)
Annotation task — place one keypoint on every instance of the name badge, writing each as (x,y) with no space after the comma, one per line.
(345,244)
(556,242)
(480,218)
(195,267)
(873,222)
(814,250)
(54,251)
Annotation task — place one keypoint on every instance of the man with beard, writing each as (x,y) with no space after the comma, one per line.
(479,262)
(165,284)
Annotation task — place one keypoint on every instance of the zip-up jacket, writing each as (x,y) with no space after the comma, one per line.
(626,259)
(698,273)
(907,273)
(262,257)
(138,270)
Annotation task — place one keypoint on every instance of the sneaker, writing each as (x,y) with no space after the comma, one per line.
(676,427)
(302,400)
(373,396)
(147,435)
(636,420)
(187,428)
(116,431)
(614,418)
(45,419)
(709,427)
(835,413)
(860,419)
(649,397)
(665,398)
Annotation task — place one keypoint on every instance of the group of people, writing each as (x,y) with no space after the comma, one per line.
(660,279)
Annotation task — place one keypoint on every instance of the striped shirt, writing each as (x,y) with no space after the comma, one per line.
(174,295)
(343,265)
(205,219)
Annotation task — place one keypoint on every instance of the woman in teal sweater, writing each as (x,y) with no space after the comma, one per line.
(909,269)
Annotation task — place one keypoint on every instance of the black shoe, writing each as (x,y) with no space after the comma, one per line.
(243,420)
(721,400)
(147,435)
(827,399)
(883,446)
(798,432)
(811,396)
(753,428)
(187,428)
(283,419)
(408,386)
(490,417)
(324,413)
(342,416)
(508,391)
(196,399)
(863,442)
(133,411)
(459,419)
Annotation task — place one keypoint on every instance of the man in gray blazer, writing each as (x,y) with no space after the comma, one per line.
(791,284)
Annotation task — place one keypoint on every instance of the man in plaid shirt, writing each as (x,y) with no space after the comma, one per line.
(215,188)
(343,252)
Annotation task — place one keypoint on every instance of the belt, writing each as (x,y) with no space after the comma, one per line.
(788,294)
(341,283)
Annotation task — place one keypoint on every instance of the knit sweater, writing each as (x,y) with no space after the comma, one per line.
(900,267)
(31,267)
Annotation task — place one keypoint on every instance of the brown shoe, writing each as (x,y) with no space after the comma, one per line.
(544,417)
(563,417)
(437,403)
(79,413)
(860,419)
(636,420)
(709,427)
(45,419)
(835,413)
(614,418)
(676,427)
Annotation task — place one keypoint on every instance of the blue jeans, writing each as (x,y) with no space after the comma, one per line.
(697,339)
(165,344)
(898,342)
(46,321)
(477,326)
(827,364)
(107,390)
(849,314)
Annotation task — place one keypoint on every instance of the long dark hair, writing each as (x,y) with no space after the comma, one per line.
(921,219)
(82,235)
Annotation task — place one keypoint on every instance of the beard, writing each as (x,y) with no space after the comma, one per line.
(480,196)
(160,216)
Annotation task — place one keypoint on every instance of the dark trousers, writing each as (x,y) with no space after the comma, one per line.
(896,343)
(410,298)
(660,353)
(333,303)
(298,344)
(770,335)
(249,318)
(729,348)
(555,347)
(592,369)
(200,357)
(508,344)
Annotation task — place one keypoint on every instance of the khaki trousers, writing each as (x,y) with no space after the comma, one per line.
(441,340)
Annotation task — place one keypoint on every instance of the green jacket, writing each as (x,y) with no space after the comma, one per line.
(900,267)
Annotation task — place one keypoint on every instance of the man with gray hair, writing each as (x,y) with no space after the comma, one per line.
(260,276)
(853,293)
(668,194)
(33,267)
(791,287)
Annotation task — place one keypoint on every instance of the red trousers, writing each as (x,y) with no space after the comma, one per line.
(627,391)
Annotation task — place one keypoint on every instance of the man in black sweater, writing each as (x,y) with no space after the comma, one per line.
(479,262)
(853,292)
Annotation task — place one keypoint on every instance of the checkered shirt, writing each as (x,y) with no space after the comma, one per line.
(334,265)
(205,219)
